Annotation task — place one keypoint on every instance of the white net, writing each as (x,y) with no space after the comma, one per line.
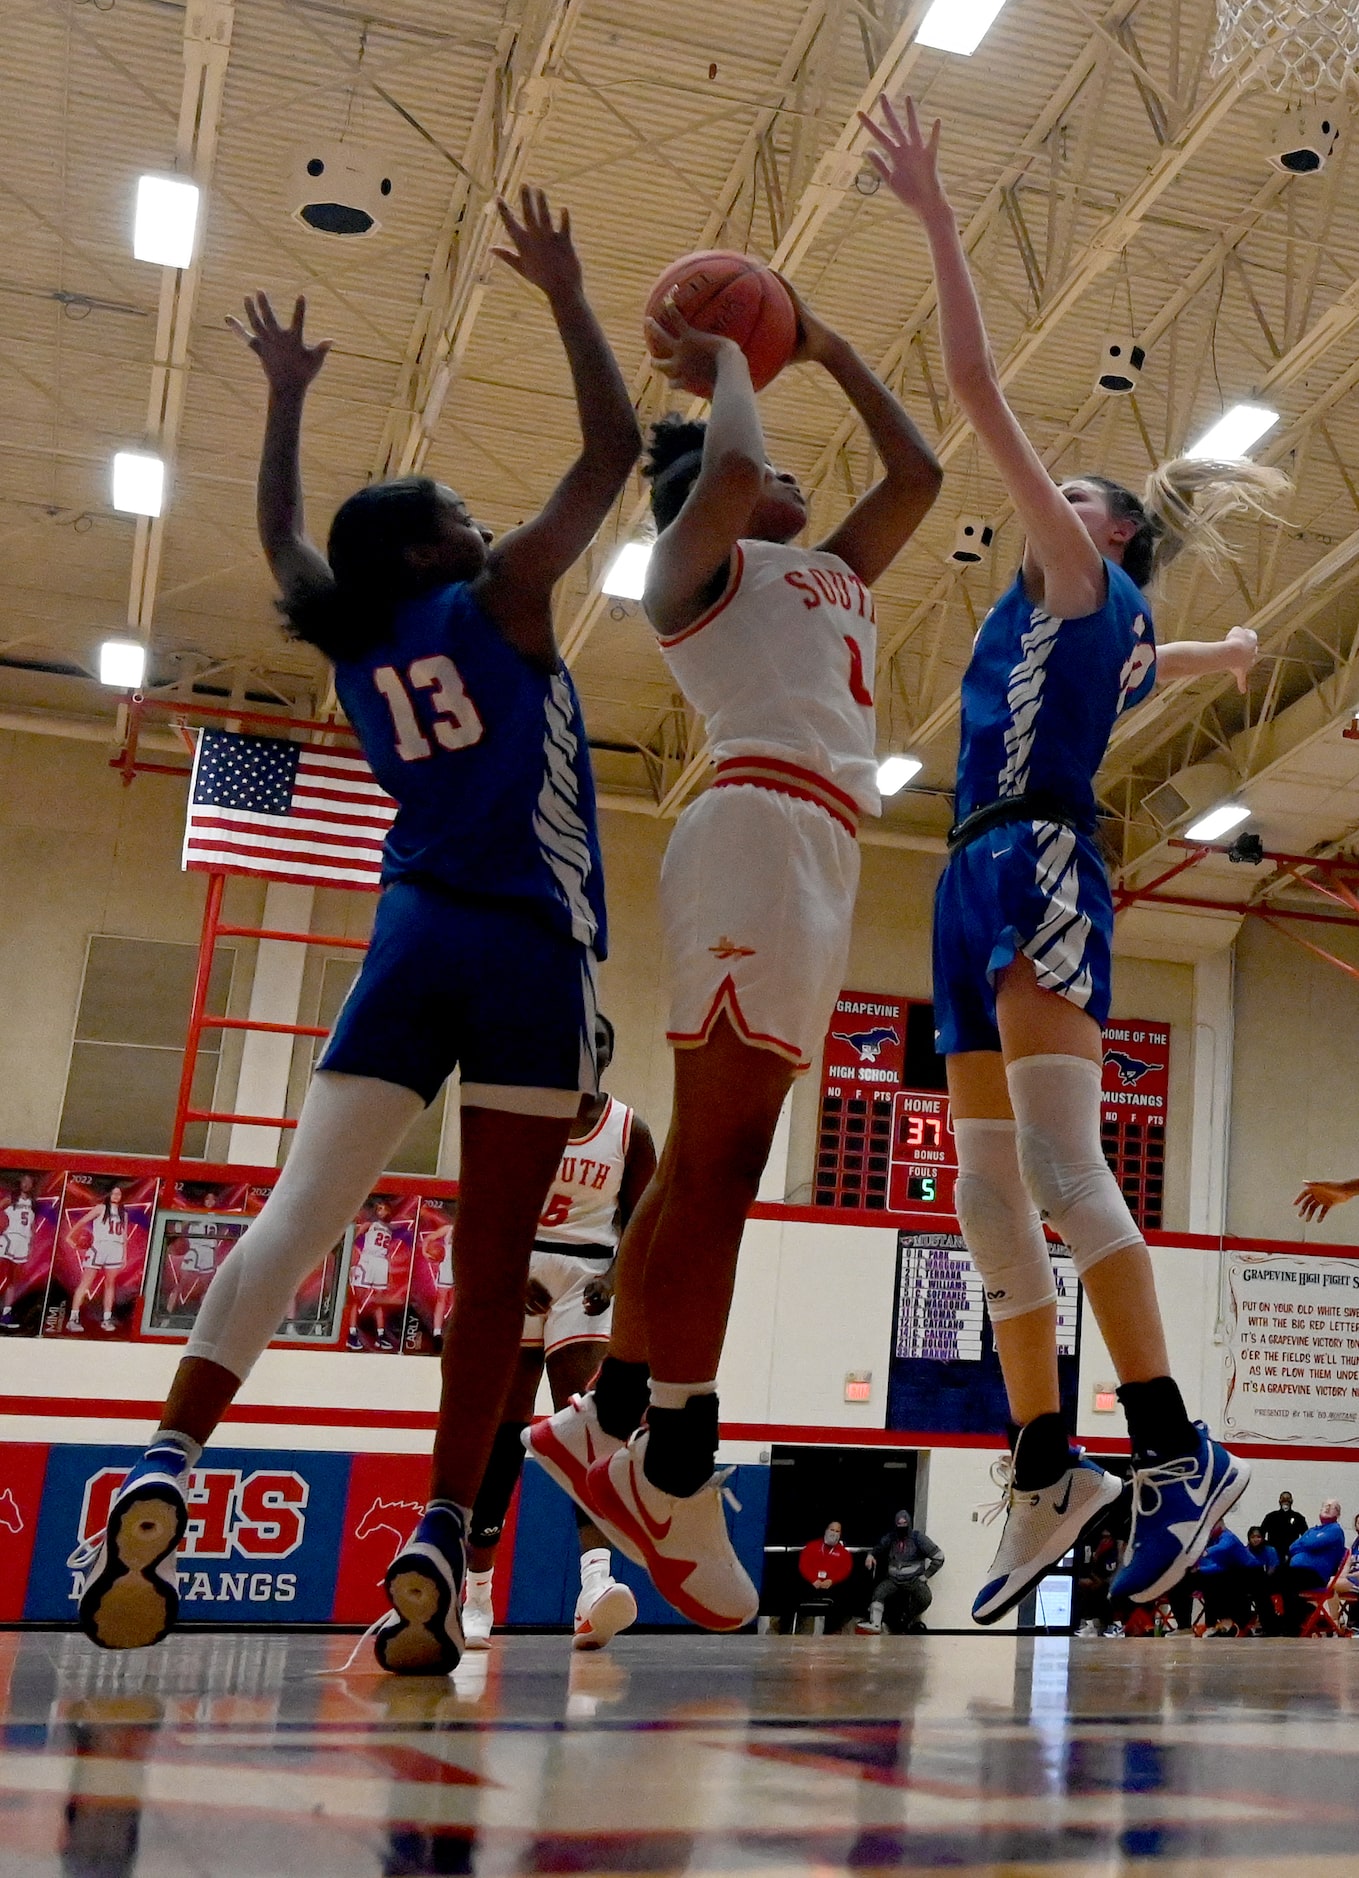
(1309,45)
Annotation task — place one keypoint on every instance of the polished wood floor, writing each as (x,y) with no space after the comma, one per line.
(215,1757)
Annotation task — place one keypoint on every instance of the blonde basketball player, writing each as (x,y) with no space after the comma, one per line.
(774,644)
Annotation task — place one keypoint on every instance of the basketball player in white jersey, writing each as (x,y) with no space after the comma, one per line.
(775,645)
(198,1260)
(371,1275)
(105,1258)
(17,1223)
(607,1166)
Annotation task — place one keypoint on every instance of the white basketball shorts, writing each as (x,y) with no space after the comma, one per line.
(757,903)
(564,1279)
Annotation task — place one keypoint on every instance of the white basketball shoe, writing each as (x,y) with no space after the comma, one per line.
(568,1444)
(478,1618)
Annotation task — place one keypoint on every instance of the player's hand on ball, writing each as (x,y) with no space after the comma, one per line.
(906,159)
(537,1303)
(597,1296)
(289,362)
(1242,648)
(543,253)
(815,340)
(1319,1196)
(684,355)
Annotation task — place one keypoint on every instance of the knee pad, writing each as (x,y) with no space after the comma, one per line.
(497,1485)
(1056,1102)
(1000,1226)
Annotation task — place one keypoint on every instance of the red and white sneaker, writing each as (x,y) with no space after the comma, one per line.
(684,1543)
(603,1608)
(568,1444)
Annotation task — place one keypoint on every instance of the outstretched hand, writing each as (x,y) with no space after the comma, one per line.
(1319,1196)
(907,161)
(289,362)
(815,339)
(683,354)
(1241,648)
(543,253)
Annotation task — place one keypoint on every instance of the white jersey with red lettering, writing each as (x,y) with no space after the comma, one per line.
(16,1239)
(582,1202)
(202,1244)
(761,874)
(781,668)
(372,1267)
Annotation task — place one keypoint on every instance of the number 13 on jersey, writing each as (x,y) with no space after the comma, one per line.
(456,724)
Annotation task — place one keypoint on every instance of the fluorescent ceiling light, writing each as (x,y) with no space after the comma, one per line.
(1218,821)
(1235,432)
(122,662)
(957,25)
(138,482)
(167,214)
(894,772)
(626,578)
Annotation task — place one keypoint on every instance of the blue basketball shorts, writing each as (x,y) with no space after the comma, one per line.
(1030,888)
(483,986)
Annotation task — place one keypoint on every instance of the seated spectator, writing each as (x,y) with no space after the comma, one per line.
(901,1562)
(1262,1551)
(1224,1578)
(1312,1562)
(1283,1526)
(828,1567)
(1097,1561)
(1349,1587)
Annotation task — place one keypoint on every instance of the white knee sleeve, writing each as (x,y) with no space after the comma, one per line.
(999,1221)
(345,1137)
(1056,1100)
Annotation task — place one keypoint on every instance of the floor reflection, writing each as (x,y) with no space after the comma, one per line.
(231,1755)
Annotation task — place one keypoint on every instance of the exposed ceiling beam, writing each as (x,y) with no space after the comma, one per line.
(514,101)
(207,49)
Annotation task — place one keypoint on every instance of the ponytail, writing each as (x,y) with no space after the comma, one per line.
(370,575)
(1182,509)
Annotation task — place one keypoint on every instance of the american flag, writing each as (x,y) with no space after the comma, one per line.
(265,805)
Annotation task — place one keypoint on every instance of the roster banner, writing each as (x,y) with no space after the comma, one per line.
(102,1243)
(1293,1354)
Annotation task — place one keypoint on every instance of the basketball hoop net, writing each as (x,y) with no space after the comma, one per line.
(1310,45)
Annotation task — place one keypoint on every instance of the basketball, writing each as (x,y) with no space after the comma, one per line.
(720,291)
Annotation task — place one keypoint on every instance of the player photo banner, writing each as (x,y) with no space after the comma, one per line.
(103,1238)
(380,1271)
(431,1290)
(30,1211)
(1293,1351)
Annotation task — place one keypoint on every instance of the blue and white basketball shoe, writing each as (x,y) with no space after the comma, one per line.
(422,1634)
(131,1592)
(1176,1504)
(1040,1528)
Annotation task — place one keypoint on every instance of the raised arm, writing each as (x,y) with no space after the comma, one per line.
(1070,565)
(290,365)
(697,546)
(1189,658)
(880,524)
(523,567)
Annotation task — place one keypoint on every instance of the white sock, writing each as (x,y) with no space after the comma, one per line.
(674,1395)
(479,1586)
(171,1438)
(594,1566)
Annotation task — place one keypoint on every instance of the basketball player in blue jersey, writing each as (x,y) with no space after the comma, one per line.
(483,949)
(1022,946)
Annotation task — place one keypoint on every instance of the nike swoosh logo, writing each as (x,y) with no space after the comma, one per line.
(1065,1501)
(649,1525)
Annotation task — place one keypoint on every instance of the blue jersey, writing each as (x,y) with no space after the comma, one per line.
(486,757)
(1041,696)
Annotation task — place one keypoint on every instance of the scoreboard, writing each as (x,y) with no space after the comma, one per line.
(886,1138)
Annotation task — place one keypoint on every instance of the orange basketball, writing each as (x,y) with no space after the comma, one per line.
(720,291)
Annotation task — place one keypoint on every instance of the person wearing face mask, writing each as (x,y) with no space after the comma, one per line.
(827,1565)
(903,1560)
